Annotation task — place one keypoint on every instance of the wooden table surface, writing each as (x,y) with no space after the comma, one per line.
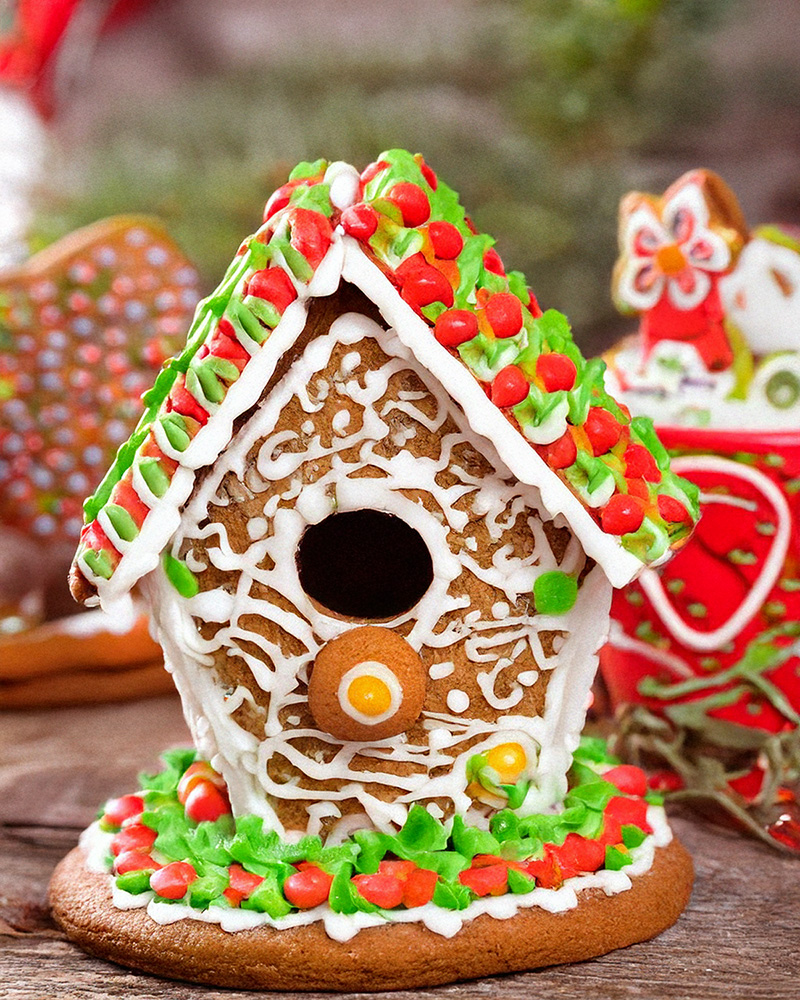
(738,940)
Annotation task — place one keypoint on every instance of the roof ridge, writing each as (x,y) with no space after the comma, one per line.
(413,228)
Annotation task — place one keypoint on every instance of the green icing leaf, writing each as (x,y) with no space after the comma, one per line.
(306,170)
(268,898)
(135,882)
(122,522)
(99,562)
(421,832)
(206,888)
(470,267)
(264,311)
(316,198)
(157,480)
(632,836)
(175,429)
(451,895)
(469,840)
(519,883)
(180,576)
(616,859)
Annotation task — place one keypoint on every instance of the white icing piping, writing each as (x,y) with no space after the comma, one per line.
(345,259)
(269,560)
(342,927)
(773,564)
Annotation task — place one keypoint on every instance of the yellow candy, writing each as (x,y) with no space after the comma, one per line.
(369,695)
(508,760)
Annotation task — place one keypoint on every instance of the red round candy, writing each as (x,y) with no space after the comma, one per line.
(373,170)
(489,881)
(602,429)
(311,234)
(509,386)
(359,221)
(172,881)
(425,285)
(419,887)
(272,284)
(492,262)
(428,174)
(533,305)
(673,510)
(134,861)
(307,888)
(560,453)
(278,199)
(640,464)
(241,884)
(628,778)
(446,239)
(412,202)
(133,838)
(556,371)
(206,803)
(622,514)
(385,891)
(504,312)
(456,326)
(628,812)
(118,810)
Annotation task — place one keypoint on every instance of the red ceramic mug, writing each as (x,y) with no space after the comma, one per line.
(703,660)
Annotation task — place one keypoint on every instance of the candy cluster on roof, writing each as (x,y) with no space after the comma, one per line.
(411,226)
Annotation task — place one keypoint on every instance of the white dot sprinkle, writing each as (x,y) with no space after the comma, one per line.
(436,671)
(457,701)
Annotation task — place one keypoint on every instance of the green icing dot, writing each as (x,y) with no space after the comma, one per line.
(180,576)
(555,593)
(122,522)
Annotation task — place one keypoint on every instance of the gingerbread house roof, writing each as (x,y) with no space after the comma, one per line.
(399,234)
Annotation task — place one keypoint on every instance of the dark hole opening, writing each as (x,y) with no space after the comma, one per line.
(364,564)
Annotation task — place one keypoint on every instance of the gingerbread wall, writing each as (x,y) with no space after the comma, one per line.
(351,421)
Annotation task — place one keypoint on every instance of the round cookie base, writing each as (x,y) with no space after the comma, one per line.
(393,956)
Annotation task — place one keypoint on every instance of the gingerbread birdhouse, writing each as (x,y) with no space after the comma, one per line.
(376,508)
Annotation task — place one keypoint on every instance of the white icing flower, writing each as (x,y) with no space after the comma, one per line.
(673,253)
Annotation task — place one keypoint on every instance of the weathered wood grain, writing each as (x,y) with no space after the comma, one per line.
(737,941)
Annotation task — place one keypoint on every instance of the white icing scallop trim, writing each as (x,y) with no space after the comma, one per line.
(370,668)
(342,927)
(770,571)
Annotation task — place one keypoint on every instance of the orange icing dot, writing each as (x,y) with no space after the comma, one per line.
(670,259)
(369,695)
(508,760)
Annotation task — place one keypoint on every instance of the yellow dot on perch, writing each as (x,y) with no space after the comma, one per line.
(369,695)
(508,760)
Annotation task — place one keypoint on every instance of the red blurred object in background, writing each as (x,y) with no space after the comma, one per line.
(44,44)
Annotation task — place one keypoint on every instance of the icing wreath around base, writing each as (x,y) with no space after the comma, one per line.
(175,848)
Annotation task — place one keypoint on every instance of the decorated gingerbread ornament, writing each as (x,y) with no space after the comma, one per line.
(84,325)
(674,251)
(708,645)
(376,506)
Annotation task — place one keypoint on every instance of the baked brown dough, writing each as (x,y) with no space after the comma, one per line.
(395,956)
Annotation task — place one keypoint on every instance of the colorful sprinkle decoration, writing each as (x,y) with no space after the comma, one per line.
(83,327)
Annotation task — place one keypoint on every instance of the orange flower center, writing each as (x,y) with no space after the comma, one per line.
(670,259)
(369,695)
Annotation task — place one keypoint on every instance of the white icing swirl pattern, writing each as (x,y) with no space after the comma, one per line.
(373,429)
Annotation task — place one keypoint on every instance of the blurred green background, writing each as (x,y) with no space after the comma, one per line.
(540,112)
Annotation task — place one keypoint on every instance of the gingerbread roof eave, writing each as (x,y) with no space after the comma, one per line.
(346,260)
(320,229)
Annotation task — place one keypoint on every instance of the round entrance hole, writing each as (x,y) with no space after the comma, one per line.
(364,564)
